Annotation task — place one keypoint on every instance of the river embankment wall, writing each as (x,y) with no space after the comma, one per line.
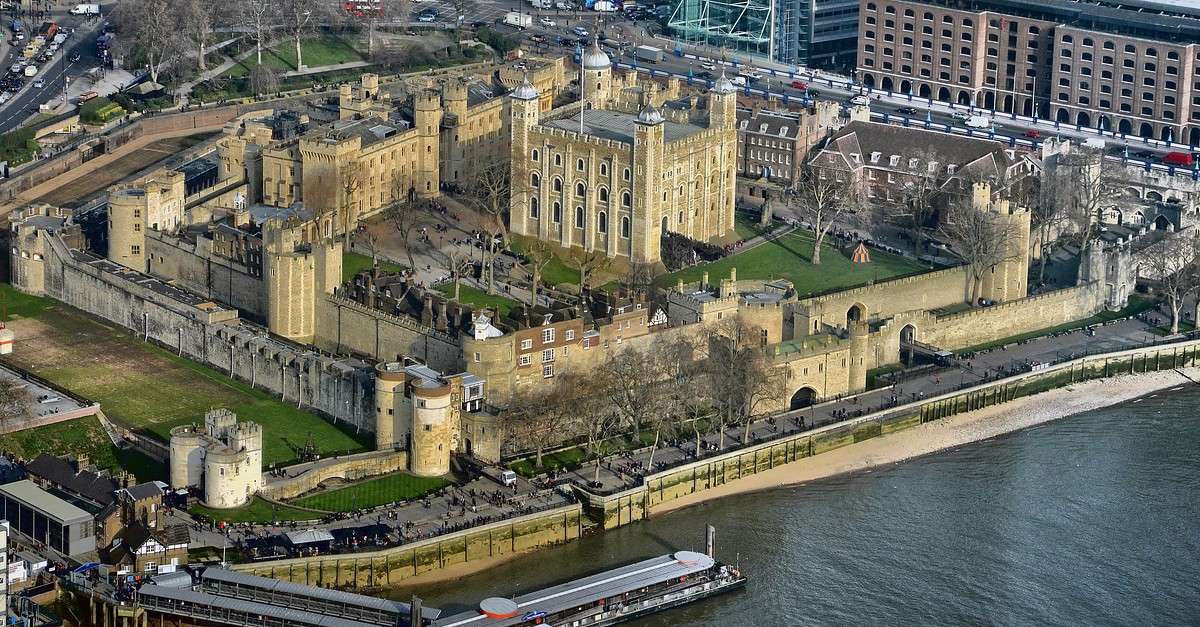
(659,490)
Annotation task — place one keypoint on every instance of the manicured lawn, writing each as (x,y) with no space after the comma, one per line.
(788,258)
(319,51)
(566,459)
(152,390)
(745,224)
(258,510)
(556,272)
(373,492)
(477,298)
(1137,304)
(81,436)
(353,263)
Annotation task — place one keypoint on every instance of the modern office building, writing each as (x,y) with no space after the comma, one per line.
(817,33)
(45,518)
(1130,68)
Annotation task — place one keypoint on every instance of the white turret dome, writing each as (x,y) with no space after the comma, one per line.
(650,115)
(594,58)
(723,85)
(526,90)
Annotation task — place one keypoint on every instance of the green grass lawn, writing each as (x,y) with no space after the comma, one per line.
(353,263)
(152,390)
(318,52)
(81,436)
(566,459)
(788,258)
(556,272)
(478,298)
(373,492)
(1137,304)
(745,224)
(257,511)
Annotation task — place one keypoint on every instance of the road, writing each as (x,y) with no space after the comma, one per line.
(26,101)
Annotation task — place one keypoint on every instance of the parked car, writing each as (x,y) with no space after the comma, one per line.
(960,115)
(547,22)
(799,85)
(907,111)
(75,56)
(1178,159)
(1033,133)
(705,75)
(427,16)
(580,31)
(708,66)
(39,83)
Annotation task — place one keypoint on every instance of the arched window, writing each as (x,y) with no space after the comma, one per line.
(535,154)
(626,199)
(557,212)
(625,174)
(603,194)
(557,159)
(580,189)
(603,169)
(603,222)
(557,184)
(533,207)
(579,217)
(625,227)
(579,165)
(535,181)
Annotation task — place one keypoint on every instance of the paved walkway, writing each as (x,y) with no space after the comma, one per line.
(626,470)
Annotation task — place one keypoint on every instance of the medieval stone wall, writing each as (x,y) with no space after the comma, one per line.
(194,268)
(344,326)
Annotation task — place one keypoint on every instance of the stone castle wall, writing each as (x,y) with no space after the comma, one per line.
(931,290)
(987,324)
(344,326)
(341,389)
(199,271)
(349,468)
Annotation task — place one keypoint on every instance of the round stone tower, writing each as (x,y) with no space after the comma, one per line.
(187,456)
(127,228)
(228,478)
(596,85)
(389,405)
(432,433)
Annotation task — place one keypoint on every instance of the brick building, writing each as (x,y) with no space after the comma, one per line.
(1130,69)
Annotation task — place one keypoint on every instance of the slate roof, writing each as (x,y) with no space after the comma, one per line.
(144,491)
(985,156)
(61,472)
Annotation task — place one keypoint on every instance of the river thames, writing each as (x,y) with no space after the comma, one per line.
(1090,519)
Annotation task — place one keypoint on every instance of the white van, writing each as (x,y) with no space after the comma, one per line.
(508,478)
(979,123)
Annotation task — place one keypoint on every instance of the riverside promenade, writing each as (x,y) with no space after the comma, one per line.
(626,470)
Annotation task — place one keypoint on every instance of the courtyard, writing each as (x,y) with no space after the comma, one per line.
(789,257)
(150,390)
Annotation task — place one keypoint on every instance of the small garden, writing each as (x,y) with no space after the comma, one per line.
(19,146)
(383,490)
(100,111)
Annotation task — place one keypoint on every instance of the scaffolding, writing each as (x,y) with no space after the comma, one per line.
(741,25)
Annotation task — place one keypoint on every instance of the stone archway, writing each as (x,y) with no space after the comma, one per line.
(886,83)
(856,313)
(908,335)
(1125,127)
(1147,130)
(989,100)
(1161,223)
(906,89)
(804,397)
(1063,116)
(868,81)
(1083,119)
(964,98)
(944,94)
(1194,136)
(924,92)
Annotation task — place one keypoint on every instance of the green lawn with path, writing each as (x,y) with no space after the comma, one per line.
(477,298)
(317,52)
(258,510)
(353,263)
(82,436)
(373,492)
(788,257)
(150,389)
(556,272)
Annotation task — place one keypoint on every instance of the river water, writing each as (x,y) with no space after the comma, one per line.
(1090,519)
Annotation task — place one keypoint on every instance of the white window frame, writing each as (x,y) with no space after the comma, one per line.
(547,336)
(524,360)
(526,344)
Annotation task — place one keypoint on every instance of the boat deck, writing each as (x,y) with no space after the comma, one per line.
(586,591)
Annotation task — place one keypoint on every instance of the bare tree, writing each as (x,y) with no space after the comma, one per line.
(980,237)
(745,382)
(1091,185)
(150,30)
(821,197)
(489,195)
(404,216)
(638,277)
(540,420)
(1169,264)
(588,263)
(350,181)
(537,256)
(198,19)
(458,264)
(627,378)
(299,18)
(16,403)
(922,189)
(263,80)
(262,18)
